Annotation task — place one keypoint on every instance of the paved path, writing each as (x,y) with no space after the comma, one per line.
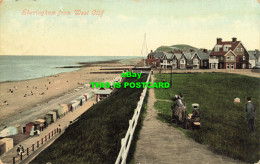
(160,143)
(63,122)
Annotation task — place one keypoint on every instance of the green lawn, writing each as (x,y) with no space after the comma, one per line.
(96,136)
(224,125)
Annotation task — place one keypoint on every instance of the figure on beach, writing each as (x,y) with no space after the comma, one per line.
(20,150)
(250,114)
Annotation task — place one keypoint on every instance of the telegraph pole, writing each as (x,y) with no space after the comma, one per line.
(171,79)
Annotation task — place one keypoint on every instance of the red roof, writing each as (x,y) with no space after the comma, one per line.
(221,51)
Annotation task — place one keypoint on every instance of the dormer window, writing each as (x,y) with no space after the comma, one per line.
(217,48)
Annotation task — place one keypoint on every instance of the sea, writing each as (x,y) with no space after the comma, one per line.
(17,68)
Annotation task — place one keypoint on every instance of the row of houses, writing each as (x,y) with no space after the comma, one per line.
(224,55)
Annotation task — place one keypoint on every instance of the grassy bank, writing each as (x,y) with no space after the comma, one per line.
(96,137)
(224,125)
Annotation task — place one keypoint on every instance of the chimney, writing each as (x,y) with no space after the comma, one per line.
(151,51)
(205,50)
(219,40)
(234,39)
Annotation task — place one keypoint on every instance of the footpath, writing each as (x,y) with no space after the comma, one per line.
(64,122)
(160,143)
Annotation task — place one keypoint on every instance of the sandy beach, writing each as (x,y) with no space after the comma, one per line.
(18,97)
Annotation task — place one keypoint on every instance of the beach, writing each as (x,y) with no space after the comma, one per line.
(20,96)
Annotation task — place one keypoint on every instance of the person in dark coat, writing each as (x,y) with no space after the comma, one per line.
(250,114)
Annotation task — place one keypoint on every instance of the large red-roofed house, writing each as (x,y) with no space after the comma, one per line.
(229,55)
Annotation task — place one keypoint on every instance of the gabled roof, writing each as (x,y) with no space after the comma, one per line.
(168,55)
(188,55)
(221,51)
(201,55)
(178,55)
(231,52)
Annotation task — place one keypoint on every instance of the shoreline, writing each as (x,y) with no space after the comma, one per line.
(33,93)
(80,67)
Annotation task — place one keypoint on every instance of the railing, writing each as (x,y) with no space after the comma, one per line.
(28,151)
(126,142)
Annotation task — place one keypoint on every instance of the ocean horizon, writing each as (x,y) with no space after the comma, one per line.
(17,68)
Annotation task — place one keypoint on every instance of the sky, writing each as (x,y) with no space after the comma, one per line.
(120,30)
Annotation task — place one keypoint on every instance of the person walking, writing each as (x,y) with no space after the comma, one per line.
(250,114)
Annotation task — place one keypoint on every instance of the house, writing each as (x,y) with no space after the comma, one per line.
(229,55)
(200,59)
(188,60)
(166,61)
(252,59)
(154,58)
(257,58)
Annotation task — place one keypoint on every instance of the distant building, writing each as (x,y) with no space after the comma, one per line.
(252,59)
(191,59)
(257,58)
(229,55)
(102,94)
(154,58)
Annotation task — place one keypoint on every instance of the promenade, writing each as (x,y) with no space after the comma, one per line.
(160,143)
(63,122)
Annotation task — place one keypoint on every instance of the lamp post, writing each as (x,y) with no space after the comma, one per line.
(171,78)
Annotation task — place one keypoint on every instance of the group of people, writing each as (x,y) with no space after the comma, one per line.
(180,116)
(179,113)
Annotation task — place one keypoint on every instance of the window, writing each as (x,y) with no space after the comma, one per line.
(244,58)
(216,48)
(205,63)
(232,57)
(237,49)
(228,57)
(225,48)
(195,61)
(242,49)
(214,57)
(232,66)
(227,65)
(182,61)
(221,57)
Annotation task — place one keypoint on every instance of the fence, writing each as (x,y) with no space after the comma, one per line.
(28,151)
(126,142)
